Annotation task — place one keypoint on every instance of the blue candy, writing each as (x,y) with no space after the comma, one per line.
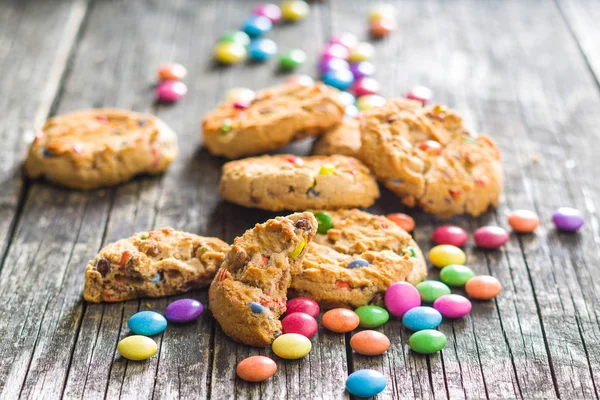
(340,79)
(358,263)
(365,383)
(257,25)
(147,323)
(261,49)
(256,308)
(420,318)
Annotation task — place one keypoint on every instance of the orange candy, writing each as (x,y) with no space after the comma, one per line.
(382,27)
(403,221)
(172,72)
(370,343)
(256,368)
(340,320)
(523,221)
(483,287)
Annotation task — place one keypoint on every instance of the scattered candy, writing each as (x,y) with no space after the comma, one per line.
(382,27)
(294,10)
(340,320)
(456,275)
(362,69)
(292,59)
(369,101)
(235,37)
(334,50)
(303,80)
(230,53)
(362,52)
(171,91)
(450,234)
(370,343)
(291,346)
(382,11)
(420,318)
(147,323)
(404,221)
(257,25)
(427,341)
(523,221)
(359,263)
(172,72)
(452,305)
(240,93)
(490,237)
(483,287)
(261,49)
(567,219)
(333,64)
(137,347)
(365,383)
(268,10)
(420,93)
(446,254)
(401,297)
(300,323)
(341,79)
(256,368)
(325,222)
(430,291)
(183,310)
(372,316)
(365,86)
(346,39)
(303,305)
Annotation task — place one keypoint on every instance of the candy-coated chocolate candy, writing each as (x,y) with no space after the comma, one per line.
(303,80)
(456,275)
(362,52)
(369,343)
(358,263)
(452,305)
(325,222)
(333,64)
(483,287)
(291,346)
(341,79)
(294,10)
(261,49)
(446,254)
(294,254)
(239,37)
(432,290)
(523,221)
(427,341)
(372,316)
(172,72)
(420,318)
(346,39)
(567,219)
(347,99)
(268,10)
(230,53)
(241,104)
(183,310)
(340,320)
(362,69)
(240,93)
(335,50)
(382,11)
(300,323)
(256,368)
(369,101)
(401,297)
(327,169)
(490,237)
(404,221)
(382,27)
(147,323)
(292,59)
(365,86)
(431,146)
(365,383)
(137,347)
(351,110)
(257,25)
(303,305)
(450,234)
(170,91)
(420,93)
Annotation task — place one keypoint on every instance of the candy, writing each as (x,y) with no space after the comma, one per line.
(256,368)
(420,318)
(456,275)
(183,310)
(382,27)
(335,50)
(333,64)
(230,53)
(238,37)
(172,72)
(382,11)
(303,305)
(446,254)
(341,79)
(431,146)
(347,98)
(257,25)
(490,237)
(365,86)
(372,316)
(452,305)
(450,234)
(432,290)
(404,221)
(362,52)
(483,287)
(170,91)
(325,222)
(327,169)
(268,10)
(346,39)
(137,347)
(291,346)
(365,383)
(296,252)
(362,69)
(369,101)
(294,10)
(261,49)
(292,59)
(401,297)
(147,323)
(567,219)
(370,343)
(351,111)
(427,341)
(359,263)
(303,80)
(340,320)
(240,93)
(420,93)
(523,221)
(300,323)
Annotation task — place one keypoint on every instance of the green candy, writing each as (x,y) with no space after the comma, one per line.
(372,316)
(235,37)
(292,59)
(427,341)
(325,222)
(431,290)
(456,275)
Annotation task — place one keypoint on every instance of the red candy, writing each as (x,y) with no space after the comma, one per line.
(303,305)
(365,86)
(450,234)
(300,323)
(431,146)
(420,93)
(490,237)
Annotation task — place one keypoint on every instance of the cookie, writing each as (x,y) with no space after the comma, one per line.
(341,139)
(287,182)
(248,294)
(273,119)
(355,261)
(103,147)
(426,156)
(153,264)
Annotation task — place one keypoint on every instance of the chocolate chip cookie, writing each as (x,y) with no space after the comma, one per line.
(341,139)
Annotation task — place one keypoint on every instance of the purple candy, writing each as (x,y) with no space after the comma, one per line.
(183,310)
(567,219)
(452,305)
(362,69)
(333,64)
(346,39)
(335,50)
(401,297)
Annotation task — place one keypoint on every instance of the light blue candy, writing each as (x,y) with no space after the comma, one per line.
(257,25)
(420,318)
(261,49)
(147,323)
(365,383)
(341,79)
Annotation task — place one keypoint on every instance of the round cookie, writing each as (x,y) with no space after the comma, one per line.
(101,147)
(342,139)
(427,157)
(287,182)
(331,274)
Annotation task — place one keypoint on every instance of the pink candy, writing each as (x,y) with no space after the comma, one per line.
(346,39)
(452,305)
(365,86)
(335,50)
(490,237)
(170,91)
(401,297)
(303,305)
(420,93)
(450,234)
(268,10)
(300,323)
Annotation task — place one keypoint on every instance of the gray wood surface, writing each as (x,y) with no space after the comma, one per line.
(525,72)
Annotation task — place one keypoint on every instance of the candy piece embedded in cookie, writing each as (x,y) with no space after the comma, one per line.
(342,139)
(153,264)
(273,119)
(287,182)
(248,294)
(427,157)
(355,262)
(101,147)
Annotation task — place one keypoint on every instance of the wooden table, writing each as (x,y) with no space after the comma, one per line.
(526,72)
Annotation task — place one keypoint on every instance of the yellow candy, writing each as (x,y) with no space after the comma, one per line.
(291,346)
(294,254)
(446,254)
(230,53)
(327,169)
(369,101)
(137,347)
(382,11)
(294,10)
(240,93)
(362,52)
